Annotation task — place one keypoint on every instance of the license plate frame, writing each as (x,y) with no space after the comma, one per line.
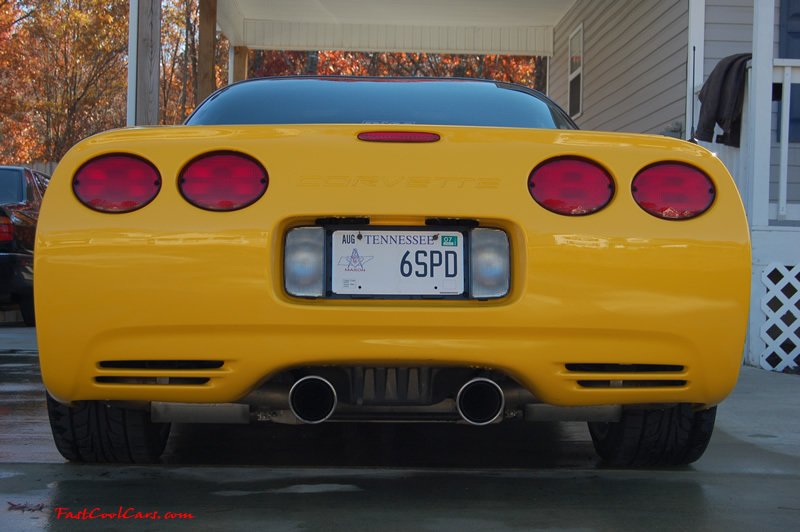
(433,238)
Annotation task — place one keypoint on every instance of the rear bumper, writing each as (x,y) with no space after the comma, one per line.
(568,367)
(577,325)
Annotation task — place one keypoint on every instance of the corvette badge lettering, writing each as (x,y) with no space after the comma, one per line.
(398,182)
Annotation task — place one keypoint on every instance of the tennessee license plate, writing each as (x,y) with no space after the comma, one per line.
(397,262)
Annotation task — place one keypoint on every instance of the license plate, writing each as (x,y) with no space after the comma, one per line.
(397,262)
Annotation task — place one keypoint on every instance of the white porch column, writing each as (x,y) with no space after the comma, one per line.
(761,110)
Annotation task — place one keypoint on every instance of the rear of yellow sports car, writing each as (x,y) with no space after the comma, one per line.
(389,272)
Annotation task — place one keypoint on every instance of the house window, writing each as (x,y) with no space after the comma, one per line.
(789,47)
(576,72)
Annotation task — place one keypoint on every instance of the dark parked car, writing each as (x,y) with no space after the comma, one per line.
(21,191)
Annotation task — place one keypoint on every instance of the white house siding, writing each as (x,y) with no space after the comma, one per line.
(634,63)
(729,30)
(511,40)
(793,176)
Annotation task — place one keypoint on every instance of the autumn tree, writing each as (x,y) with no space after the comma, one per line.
(63,72)
(16,142)
(525,70)
(177,83)
(179,41)
(75,80)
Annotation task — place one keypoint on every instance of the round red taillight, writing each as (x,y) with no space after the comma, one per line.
(570,186)
(223,181)
(673,191)
(116,183)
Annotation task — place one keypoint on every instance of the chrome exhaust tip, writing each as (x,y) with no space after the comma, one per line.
(312,399)
(480,401)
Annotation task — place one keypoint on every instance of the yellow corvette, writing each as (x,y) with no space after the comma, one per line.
(312,249)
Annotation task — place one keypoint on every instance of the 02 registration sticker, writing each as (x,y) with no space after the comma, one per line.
(397,262)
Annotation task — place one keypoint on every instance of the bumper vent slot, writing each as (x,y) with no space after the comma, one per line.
(609,375)
(152,372)
(624,368)
(153,381)
(632,384)
(162,364)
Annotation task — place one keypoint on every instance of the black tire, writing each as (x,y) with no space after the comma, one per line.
(672,436)
(27,310)
(96,432)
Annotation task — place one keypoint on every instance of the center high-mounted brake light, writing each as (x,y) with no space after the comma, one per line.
(571,186)
(398,136)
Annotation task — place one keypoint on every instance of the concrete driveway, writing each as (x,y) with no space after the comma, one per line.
(399,477)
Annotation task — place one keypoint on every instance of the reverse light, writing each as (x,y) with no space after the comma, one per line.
(673,191)
(223,181)
(571,186)
(304,262)
(490,264)
(116,183)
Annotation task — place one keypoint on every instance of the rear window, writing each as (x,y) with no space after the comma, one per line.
(380,101)
(11,185)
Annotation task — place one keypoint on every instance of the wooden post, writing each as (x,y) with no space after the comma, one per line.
(240,64)
(149,62)
(206,78)
(143,67)
(133,60)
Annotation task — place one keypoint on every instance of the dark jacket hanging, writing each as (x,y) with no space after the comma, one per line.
(722,99)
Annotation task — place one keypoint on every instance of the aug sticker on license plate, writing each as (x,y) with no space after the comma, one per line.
(397,262)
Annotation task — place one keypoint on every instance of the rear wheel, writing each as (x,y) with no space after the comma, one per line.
(672,436)
(94,431)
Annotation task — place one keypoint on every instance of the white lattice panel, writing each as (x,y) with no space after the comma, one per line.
(781,305)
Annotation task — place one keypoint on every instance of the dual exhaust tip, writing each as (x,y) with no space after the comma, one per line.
(480,401)
(313,399)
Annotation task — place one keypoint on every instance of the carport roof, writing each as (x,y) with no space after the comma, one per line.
(516,27)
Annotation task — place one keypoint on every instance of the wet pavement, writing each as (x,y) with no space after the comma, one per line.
(346,476)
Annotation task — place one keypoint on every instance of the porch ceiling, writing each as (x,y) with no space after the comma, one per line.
(516,27)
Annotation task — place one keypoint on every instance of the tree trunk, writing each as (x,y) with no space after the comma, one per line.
(184,82)
(312,63)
